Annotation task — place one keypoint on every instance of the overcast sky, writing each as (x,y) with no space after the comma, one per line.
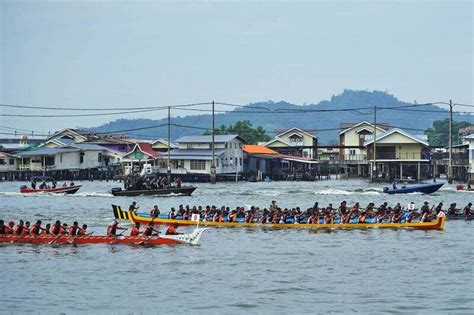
(124,53)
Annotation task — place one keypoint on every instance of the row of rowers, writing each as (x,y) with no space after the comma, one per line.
(275,214)
(26,228)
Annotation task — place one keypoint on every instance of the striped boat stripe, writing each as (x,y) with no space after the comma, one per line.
(119,213)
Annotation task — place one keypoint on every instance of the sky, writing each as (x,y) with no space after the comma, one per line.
(97,54)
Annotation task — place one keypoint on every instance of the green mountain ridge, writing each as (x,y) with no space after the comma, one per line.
(415,120)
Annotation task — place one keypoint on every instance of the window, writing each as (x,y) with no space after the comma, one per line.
(235,161)
(198,165)
(2,162)
(285,165)
(61,158)
(81,157)
(240,161)
(99,157)
(12,161)
(217,162)
(352,152)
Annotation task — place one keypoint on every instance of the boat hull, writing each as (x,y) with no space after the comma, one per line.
(460,217)
(191,239)
(438,224)
(59,190)
(423,188)
(183,191)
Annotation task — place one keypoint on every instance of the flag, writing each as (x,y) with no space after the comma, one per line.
(195,217)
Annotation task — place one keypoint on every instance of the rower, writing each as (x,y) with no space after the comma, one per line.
(133,207)
(19,228)
(11,227)
(74,229)
(172,230)
(82,231)
(3,228)
(47,229)
(150,229)
(36,229)
(135,231)
(467,210)
(425,211)
(452,209)
(112,229)
(439,208)
(155,212)
(56,228)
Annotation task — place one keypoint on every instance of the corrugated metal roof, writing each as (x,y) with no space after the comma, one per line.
(207,139)
(46,151)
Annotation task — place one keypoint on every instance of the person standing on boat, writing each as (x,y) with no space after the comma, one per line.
(155,212)
(133,207)
(33,183)
(3,228)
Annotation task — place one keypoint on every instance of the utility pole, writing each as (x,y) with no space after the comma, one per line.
(450,163)
(213,163)
(169,145)
(374,169)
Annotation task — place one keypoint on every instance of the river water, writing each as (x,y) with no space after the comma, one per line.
(237,270)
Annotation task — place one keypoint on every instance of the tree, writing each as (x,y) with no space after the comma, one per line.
(439,134)
(245,130)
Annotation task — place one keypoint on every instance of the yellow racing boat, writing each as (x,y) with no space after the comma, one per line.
(437,224)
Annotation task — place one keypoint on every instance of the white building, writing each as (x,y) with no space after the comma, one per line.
(470,139)
(194,155)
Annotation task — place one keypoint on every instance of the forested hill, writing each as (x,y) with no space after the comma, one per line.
(311,118)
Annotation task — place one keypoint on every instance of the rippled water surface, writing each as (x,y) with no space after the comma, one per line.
(240,269)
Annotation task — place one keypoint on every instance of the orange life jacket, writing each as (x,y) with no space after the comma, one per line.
(134,231)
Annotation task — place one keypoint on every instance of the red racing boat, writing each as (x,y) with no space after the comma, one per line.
(191,239)
(58,190)
(43,188)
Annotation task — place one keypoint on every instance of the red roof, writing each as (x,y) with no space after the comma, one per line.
(146,148)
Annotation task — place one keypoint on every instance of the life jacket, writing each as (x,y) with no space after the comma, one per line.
(134,231)
(81,232)
(171,231)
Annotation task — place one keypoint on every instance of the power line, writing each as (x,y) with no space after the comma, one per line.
(101,109)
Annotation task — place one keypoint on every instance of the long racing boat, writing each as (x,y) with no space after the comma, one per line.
(438,224)
(191,239)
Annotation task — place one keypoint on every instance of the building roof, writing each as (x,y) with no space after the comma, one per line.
(257,149)
(295,129)
(64,149)
(348,126)
(208,139)
(280,140)
(146,148)
(396,130)
(172,145)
